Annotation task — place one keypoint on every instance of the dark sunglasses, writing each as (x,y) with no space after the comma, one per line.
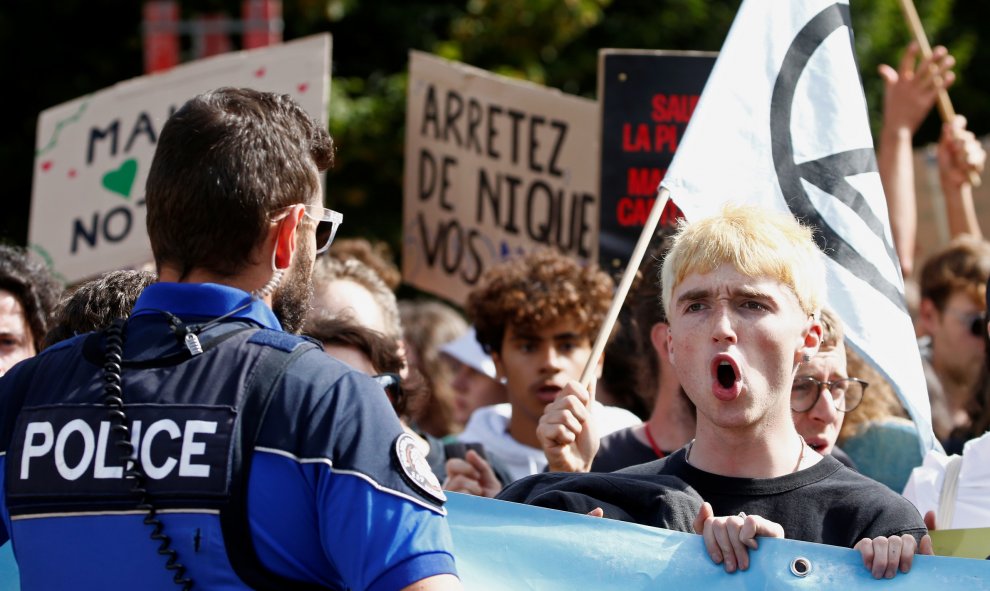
(392,384)
(976,322)
(978,327)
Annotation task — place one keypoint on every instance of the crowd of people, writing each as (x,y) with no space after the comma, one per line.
(262,410)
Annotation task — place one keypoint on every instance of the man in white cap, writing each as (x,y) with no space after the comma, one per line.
(475,384)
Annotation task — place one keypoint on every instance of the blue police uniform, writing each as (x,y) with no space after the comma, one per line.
(335,494)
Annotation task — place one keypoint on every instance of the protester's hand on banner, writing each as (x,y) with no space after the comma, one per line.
(728,539)
(567,430)
(910,91)
(472,475)
(959,153)
(885,555)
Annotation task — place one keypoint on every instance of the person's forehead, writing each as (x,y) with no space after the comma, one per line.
(11,310)
(727,278)
(566,327)
(967,299)
(832,361)
(343,296)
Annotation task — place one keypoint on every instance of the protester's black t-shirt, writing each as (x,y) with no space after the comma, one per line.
(620,450)
(826,503)
(844,458)
(658,501)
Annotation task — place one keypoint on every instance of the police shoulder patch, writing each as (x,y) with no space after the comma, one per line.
(412,462)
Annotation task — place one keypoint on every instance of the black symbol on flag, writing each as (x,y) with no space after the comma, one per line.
(829,173)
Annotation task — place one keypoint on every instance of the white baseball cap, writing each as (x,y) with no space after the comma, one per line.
(468,351)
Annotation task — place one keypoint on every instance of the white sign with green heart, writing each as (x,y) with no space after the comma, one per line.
(93,153)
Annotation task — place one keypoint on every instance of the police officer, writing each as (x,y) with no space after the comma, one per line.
(198,444)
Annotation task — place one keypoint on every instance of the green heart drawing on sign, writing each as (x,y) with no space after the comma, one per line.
(121,181)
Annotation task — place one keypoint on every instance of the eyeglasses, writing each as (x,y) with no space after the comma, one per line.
(976,322)
(846,393)
(327,222)
(392,384)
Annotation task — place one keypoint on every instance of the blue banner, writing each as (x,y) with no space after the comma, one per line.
(506,546)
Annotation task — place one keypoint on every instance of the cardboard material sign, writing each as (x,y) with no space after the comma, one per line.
(647,98)
(494,167)
(93,153)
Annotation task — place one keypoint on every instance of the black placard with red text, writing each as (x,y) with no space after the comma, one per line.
(647,98)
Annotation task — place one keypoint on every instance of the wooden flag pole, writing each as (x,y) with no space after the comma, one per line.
(944,104)
(649,229)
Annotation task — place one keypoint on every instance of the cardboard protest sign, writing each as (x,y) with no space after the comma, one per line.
(647,98)
(93,153)
(494,167)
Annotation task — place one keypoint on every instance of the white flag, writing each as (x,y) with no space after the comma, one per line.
(782,124)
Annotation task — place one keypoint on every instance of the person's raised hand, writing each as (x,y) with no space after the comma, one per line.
(883,556)
(911,89)
(567,430)
(729,539)
(472,475)
(960,154)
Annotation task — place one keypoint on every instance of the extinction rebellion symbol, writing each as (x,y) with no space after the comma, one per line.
(830,172)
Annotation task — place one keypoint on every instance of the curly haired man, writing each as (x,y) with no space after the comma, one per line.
(537,316)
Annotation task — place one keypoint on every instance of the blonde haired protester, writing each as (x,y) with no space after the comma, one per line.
(743,291)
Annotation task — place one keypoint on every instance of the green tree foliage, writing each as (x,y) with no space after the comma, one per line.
(552,42)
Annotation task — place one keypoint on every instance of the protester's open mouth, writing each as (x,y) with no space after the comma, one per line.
(726,375)
(548,393)
(818,445)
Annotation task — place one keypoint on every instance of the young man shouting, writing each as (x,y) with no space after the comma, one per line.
(743,292)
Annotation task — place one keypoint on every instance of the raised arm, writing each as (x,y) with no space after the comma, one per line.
(959,154)
(909,93)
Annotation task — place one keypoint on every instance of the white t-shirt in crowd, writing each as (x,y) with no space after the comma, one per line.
(972,501)
(489,426)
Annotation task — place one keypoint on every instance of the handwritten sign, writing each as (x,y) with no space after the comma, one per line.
(647,98)
(494,167)
(93,153)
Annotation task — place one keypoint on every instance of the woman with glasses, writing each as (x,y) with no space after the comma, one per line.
(823,392)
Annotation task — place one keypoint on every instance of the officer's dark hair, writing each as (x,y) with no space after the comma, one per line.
(34,286)
(95,304)
(225,161)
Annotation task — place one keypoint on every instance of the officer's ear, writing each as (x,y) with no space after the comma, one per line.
(285,237)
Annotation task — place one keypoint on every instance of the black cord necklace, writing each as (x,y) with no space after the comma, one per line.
(188,334)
